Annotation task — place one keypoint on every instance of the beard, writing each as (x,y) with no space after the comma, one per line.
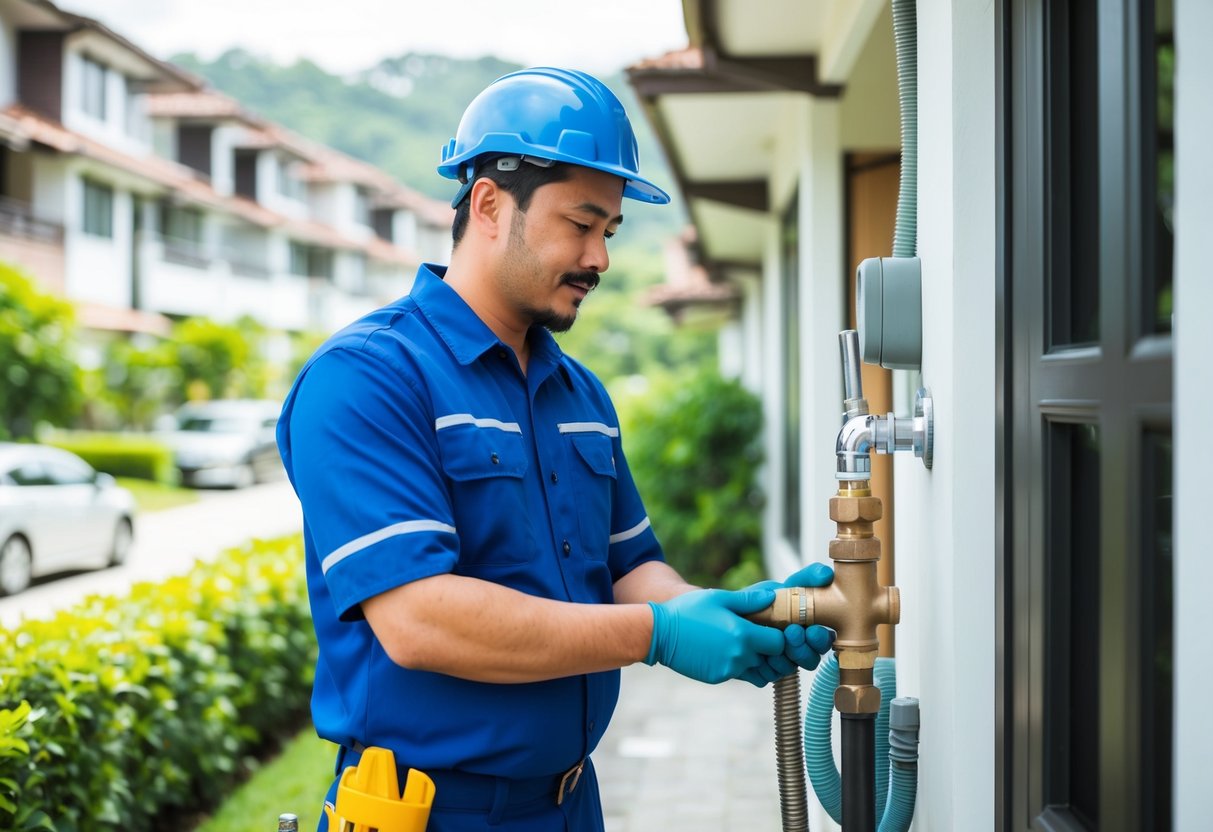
(525,267)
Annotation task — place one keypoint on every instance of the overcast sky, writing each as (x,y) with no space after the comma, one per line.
(350,35)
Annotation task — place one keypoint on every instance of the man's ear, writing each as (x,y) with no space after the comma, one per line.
(486,206)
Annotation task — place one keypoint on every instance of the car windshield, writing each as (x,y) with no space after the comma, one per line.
(218,424)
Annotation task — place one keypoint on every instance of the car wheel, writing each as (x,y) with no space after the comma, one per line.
(16,565)
(246,475)
(124,536)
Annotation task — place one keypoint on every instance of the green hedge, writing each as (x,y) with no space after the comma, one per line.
(121,712)
(123,455)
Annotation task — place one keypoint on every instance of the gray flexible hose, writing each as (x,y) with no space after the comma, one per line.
(793,801)
(905,35)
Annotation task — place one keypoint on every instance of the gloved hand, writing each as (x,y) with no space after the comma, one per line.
(803,646)
(702,635)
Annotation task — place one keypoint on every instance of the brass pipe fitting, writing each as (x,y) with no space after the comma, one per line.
(852,605)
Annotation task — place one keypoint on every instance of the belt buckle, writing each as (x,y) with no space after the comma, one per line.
(570,779)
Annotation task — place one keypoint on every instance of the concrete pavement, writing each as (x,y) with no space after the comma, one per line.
(681,756)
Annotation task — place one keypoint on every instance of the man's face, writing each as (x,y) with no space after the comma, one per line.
(557,248)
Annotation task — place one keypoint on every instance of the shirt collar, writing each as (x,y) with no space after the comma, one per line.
(465,335)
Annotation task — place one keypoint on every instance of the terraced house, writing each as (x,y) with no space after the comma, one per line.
(138,193)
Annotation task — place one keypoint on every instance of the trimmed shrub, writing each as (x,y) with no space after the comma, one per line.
(694,446)
(122,455)
(123,710)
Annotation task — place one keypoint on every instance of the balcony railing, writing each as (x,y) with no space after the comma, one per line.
(185,252)
(17,220)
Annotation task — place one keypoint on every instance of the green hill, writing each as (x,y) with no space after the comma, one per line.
(397,114)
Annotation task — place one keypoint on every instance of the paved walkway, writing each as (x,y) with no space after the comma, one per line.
(682,756)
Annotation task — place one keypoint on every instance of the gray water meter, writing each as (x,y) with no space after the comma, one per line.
(889,309)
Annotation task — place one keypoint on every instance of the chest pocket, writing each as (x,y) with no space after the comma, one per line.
(594,469)
(485,469)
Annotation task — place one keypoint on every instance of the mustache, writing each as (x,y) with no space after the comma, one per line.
(587,279)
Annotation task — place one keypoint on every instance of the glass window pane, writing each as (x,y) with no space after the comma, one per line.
(1073,141)
(1158,631)
(1072,634)
(790,244)
(1161,57)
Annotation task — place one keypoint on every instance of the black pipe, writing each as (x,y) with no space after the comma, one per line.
(858,772)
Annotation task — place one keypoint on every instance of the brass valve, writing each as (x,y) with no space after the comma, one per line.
(852,605)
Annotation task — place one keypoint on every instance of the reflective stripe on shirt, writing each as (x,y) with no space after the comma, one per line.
(394,530)
(630,533)
(588,427)
(468,419)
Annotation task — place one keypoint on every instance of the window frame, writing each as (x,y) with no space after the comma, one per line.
(1121,381)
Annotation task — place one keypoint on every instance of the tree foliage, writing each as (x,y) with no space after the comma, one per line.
(694,447)
(39,380)
(218,360)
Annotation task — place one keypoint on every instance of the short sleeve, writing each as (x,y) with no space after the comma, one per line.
(358,443)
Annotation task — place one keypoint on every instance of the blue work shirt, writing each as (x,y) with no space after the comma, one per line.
(418,447)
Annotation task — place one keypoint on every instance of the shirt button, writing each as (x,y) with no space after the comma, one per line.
(496,459)
(566,548)
(555,478)
(501,353)
(592,726)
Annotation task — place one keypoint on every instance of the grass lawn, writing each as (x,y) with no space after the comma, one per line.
(294,781)
(154,496)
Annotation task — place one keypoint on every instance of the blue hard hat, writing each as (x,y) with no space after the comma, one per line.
(553,115)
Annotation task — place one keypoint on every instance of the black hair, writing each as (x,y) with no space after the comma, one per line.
(520,184)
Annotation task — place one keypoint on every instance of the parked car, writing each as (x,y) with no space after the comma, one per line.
(226,442)
(57,513)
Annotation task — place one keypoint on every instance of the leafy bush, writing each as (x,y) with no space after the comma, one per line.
(122,710)
(39,381)
(123,455)
(694,447)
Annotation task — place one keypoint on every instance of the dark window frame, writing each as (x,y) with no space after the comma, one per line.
(1121,381)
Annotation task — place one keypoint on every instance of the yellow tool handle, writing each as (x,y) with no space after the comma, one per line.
(368,797)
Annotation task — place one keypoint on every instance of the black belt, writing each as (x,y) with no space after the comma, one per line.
(499,797)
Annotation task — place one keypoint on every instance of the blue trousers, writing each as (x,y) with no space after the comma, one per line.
(464,803)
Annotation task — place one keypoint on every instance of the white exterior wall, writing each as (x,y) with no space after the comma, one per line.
(945,517)
(223,158)
(822,316)
(8,62)
(96,269)
(1193,404)
(268,193)
(404,229)
(112,131)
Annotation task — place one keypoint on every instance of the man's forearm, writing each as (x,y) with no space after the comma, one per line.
(651,581)
(485,632)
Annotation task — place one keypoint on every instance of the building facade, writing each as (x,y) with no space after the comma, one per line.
(1050,562)
(141,195)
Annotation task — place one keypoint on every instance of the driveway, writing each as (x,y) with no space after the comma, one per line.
(167,543)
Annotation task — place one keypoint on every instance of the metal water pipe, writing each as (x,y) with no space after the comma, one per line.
(853,604)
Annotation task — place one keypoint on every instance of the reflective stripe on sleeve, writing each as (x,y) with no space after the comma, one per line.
(588,427)
(368,540)
(468,419)
(630,533)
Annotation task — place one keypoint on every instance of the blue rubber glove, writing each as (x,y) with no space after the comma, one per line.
(805,645)
(802,646)
(702,635)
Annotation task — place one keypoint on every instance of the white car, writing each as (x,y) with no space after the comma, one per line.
(56,514)
(226,442)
